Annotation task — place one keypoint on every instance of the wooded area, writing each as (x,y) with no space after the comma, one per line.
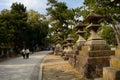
(20,28)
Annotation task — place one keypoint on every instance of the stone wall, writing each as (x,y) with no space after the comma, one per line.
(113,72)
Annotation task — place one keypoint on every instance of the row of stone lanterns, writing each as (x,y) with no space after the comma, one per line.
(95,53)
(87,56)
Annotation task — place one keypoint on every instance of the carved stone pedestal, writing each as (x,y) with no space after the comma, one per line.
(92,59)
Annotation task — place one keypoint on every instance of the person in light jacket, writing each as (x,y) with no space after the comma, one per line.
(23,53)
(27,52)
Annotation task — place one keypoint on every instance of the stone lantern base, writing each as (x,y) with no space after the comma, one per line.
(94,55)
(58,49)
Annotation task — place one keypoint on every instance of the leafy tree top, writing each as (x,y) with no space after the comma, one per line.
(18,8)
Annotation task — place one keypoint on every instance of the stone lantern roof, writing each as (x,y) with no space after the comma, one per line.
(93,27)
(58,40)
(69,39)
(80,25)
(65,41)
(80,32)
(92,17)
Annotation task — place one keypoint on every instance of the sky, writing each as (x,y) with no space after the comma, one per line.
(38,5)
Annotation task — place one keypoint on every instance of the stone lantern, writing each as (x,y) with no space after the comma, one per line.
(58,48)
(94,39)
(64,48)
(80,33)
(69,39)
(95,53)
(69,50)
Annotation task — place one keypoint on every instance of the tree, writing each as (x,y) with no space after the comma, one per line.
(18,20)
(38,28)
(6,33)
(61,19)
(5,11)
(108,35)
(20,29)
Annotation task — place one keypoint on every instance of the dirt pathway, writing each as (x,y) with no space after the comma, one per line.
(55,68)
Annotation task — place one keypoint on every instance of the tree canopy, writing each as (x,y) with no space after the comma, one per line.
(62,19)
(22,29)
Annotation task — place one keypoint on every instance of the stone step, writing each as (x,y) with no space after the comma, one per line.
(110,73)
(115,62)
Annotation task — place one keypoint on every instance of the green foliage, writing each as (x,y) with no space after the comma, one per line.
(18,24)
(5,11)
(104,7)
(61,19)
(87,34)
(6,32)
(19,29)
(38,28)
(18,8)
(108,35)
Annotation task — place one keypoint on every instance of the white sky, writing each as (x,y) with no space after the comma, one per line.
(38,5)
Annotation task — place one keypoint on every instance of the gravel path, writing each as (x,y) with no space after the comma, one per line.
(22,69)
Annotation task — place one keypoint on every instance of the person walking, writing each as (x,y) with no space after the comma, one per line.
(27,52)
(23,53)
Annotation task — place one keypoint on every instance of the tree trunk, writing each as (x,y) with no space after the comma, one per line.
(116,35)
